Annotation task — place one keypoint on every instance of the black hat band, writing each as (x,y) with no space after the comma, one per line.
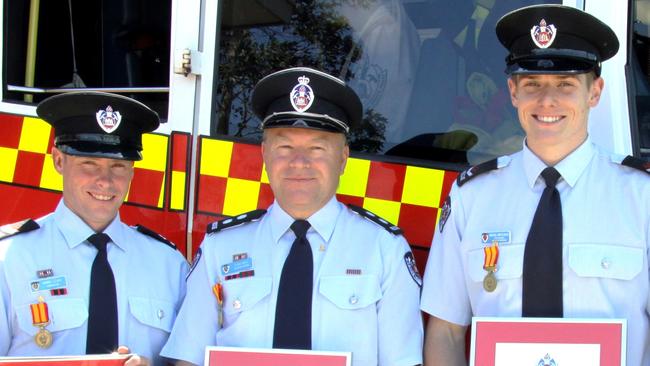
(309,120)
(99,139)
(553,53)
(321,106)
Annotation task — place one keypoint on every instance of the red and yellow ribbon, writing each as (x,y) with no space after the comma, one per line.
(491,256)
(218,292)
(40,313)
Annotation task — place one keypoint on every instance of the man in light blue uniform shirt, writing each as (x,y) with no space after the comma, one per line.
(48,263)
(600,269)
(361,285)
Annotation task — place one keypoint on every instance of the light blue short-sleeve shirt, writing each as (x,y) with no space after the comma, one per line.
(606,223)
(149,281)
(365,300)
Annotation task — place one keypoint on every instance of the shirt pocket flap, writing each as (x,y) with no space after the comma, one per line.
(509,265)
(608,261)
(243,294)
(153,312)
(63,313)
(350,292)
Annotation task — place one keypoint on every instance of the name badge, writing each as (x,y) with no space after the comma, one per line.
(501,237)
(49,283)
(237,266)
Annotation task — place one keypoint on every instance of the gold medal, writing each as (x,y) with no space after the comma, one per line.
(43,338)
(490,265)
(218,293)
(490,282)
(41,319)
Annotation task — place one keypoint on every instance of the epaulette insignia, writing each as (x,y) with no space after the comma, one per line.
(479,169)
(150,233)
(235,221)
(636,163)
(20,227)
(395,230)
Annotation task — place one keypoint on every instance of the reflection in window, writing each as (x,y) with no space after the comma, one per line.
(116,44)
(429,72)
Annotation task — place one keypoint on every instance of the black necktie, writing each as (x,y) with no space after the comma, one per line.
(102,307)
(293,308)
(542,273)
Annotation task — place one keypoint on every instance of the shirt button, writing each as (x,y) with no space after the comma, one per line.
(353,299)
(161,314)
(236,304)
(605,263)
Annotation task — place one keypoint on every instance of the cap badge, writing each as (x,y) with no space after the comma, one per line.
(302,96)
(108,119)
(543,35)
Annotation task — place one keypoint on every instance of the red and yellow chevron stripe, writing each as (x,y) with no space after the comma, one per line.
(232,180)
(26,160)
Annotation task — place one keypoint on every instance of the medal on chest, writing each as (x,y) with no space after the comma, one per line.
(41,319)
(490,265)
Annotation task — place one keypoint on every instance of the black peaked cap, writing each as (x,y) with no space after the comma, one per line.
(98,124)
(302,97)
(555,39)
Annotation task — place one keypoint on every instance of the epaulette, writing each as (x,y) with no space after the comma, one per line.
(234,221)
(152,234)
(632,162)
(20,227)
(393,229)
(479,169)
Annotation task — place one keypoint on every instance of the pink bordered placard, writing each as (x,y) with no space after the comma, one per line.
(236,356)
(547,342)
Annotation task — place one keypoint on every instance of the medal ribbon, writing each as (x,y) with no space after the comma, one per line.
(491,256)
(218,293)
(40,313)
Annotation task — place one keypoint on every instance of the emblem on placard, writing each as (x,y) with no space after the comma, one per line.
(547,361)
(543,35)
(108,119)
(302,96)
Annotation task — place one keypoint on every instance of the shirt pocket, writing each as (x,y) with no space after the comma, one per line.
(64,314)
(606,261)
(350,292)
(509,265)
(154,313)
(241,295)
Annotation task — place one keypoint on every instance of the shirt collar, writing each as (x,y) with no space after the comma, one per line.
(75,231)
(571,167)
(322,221)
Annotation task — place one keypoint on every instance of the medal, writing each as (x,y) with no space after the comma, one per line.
(490,282)
(490,265)
(43,338)
(41,319)
(218,293)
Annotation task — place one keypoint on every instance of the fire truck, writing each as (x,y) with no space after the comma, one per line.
(429,74)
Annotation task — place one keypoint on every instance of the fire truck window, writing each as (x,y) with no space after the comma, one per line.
(116,44)
(429,72)
(640,66)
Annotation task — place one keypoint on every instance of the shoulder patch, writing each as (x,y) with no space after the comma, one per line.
(479,169)
(150,233)
(395,230)
(234,221)
(632,162)
(20,227)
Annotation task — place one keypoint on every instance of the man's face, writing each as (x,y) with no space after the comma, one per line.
(553,109)
(93,188)
(303,167)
